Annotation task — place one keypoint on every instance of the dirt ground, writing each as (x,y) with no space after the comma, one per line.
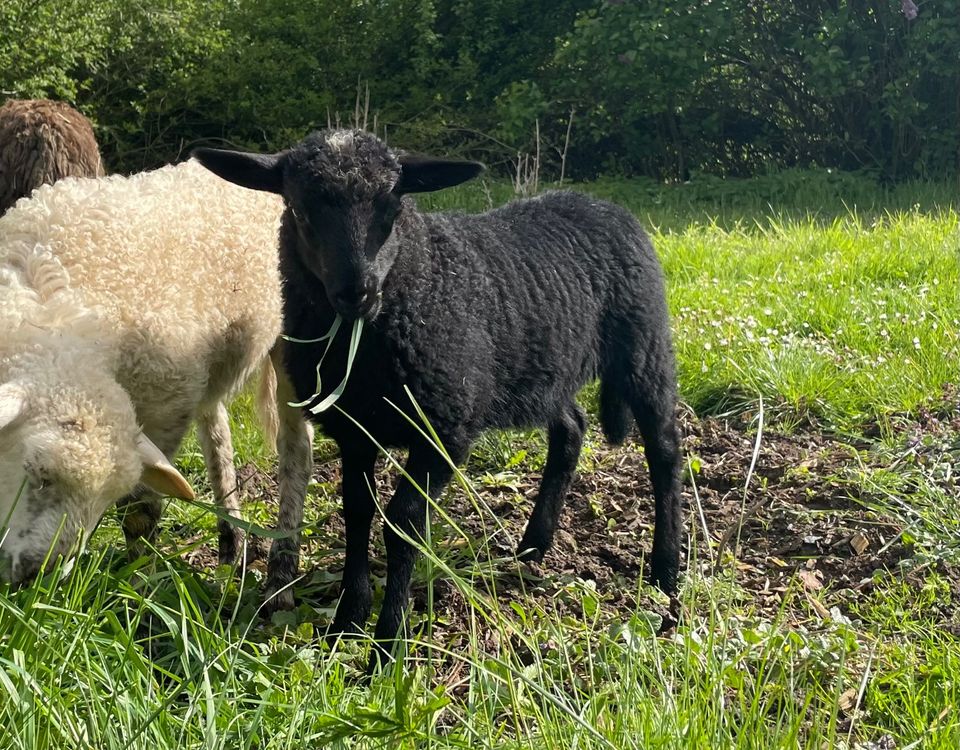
(799,520)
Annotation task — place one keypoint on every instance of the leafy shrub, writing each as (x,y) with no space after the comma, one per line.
(655,88)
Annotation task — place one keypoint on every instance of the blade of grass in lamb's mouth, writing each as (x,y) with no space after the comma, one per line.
(351,353)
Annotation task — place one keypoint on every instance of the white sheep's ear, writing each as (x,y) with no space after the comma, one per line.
(254,171)
(424,174)
(13,404)
(159,474)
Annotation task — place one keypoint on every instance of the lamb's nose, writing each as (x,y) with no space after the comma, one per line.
(351,298)
(357,300)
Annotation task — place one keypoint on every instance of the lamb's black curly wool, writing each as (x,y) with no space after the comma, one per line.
(495,320)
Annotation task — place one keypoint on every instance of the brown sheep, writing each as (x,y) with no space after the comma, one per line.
(40,142)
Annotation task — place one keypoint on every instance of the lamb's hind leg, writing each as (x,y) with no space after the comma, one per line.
(653,404)
(213,431)
(563,451)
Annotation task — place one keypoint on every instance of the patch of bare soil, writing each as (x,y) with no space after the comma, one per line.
(779,508)
(782,506)
(795,521)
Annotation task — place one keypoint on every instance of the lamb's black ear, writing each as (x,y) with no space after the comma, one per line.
(254,171)
(424,174)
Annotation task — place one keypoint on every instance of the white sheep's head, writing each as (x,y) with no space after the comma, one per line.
(64,461)
(343,191)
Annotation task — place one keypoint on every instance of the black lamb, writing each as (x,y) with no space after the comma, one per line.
(492,321)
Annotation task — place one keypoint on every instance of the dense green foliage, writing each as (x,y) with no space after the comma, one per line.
(654,87)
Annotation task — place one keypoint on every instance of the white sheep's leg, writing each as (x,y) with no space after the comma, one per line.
(213,431)
(295,467)
(140,512)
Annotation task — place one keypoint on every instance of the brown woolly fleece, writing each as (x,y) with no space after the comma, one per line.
(42,141)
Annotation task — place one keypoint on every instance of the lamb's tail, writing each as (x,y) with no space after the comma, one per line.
(265,403)
(616,415)
(637,382)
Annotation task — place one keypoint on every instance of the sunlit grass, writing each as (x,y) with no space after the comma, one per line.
(835,318)
(844,322)
(178,662)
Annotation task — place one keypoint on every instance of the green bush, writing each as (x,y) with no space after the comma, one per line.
(654,87)
(730,87)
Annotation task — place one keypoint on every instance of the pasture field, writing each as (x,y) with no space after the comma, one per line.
(817,325)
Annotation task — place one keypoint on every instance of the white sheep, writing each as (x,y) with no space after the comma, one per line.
(130,307)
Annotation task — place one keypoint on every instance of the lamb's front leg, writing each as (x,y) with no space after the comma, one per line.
(426,472)
(359,504)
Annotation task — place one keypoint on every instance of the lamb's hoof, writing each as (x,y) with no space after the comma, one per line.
(671,619)
(139,547)
(665,578)
(227,557)
(238,552)
(529,553)
(277,600)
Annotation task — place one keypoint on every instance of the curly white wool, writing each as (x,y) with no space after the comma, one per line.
(130,306)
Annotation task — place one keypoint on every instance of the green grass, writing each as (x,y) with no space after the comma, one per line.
(843,322)
(825,316)
(790,195)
